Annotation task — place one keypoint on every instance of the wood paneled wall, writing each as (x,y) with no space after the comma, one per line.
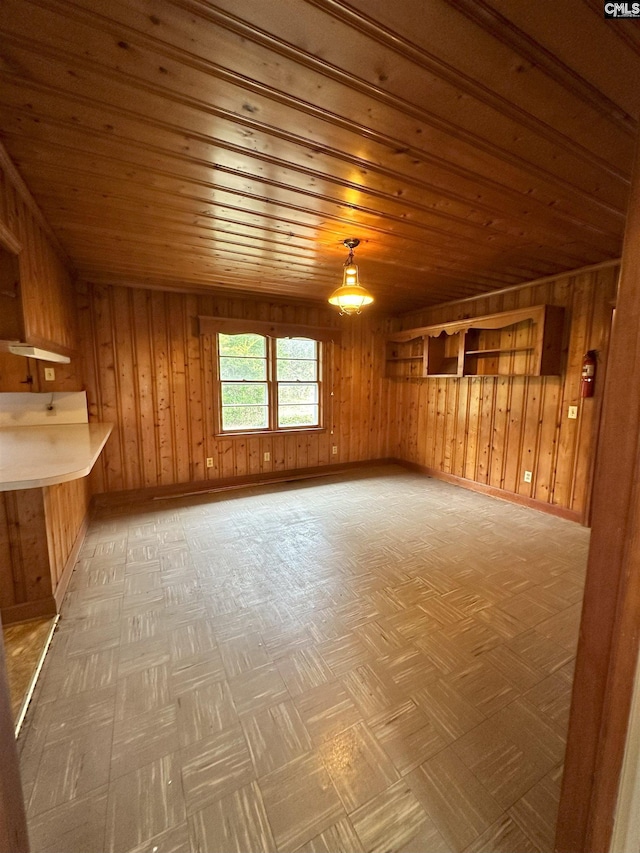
(39,533)
(26,583)
(491,430)
(47,288)
(47,291)
(65,508)
(38,527)
(149,372)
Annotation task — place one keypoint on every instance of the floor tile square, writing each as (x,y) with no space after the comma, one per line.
(144,803)
(343,653)
(143,738)
(258,689)
(358,766)
(326,711)
(76,826)
(236,823)
(215,767)
(339,838)
(483,686)
(303,670)
(371,690)
(300,801)
(142,691)
(454,799)
(505,836)
(394,821)
(536,812)
(275,736)
(451,714)
(174,840)
(241,654)
(204,711)
(72,767)
(407,735)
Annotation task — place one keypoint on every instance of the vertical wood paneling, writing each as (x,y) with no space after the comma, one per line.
(38,532)
(24,516)
(151,374)
(65,508)
(193,385)
(6,578)
(124,378)
(46,288)
(493,429)
(180,413)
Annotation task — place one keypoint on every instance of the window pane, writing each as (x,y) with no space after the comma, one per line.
(290,416)
(296,348)
(243,368)
(303,371)
(298,393)
(242,345)
(244,417)
(243,395)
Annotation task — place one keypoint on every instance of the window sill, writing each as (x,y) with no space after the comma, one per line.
(256,433)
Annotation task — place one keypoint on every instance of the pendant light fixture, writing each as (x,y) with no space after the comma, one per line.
(350,297)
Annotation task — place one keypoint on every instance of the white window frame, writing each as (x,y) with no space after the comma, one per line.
(272,384)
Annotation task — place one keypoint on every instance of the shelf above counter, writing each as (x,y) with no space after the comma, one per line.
(36,456)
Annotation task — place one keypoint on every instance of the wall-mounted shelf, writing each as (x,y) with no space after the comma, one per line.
(405,359)
(522,342)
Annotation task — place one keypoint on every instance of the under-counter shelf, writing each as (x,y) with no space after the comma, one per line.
(522,342)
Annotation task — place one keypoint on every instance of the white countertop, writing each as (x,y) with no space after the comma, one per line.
(33,456)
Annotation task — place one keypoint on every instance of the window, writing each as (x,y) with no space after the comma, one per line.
(268,383)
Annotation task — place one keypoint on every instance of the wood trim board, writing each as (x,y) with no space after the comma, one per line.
(492,491)
(179,490)
(65,577)
(232,326)
(610,627)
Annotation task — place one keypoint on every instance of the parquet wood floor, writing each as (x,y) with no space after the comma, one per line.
(372,662)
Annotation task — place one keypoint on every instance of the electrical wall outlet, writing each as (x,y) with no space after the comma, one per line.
(573,412)
(334,449)
(267,456)
(49,374)
(527,476)
(209,461)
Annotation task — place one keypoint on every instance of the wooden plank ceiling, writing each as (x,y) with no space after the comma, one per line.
(469,144)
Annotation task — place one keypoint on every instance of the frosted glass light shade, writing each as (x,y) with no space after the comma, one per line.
(350,297)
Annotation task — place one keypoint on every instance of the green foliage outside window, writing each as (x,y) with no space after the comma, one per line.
(242,346)
(297,348)
(246,369)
